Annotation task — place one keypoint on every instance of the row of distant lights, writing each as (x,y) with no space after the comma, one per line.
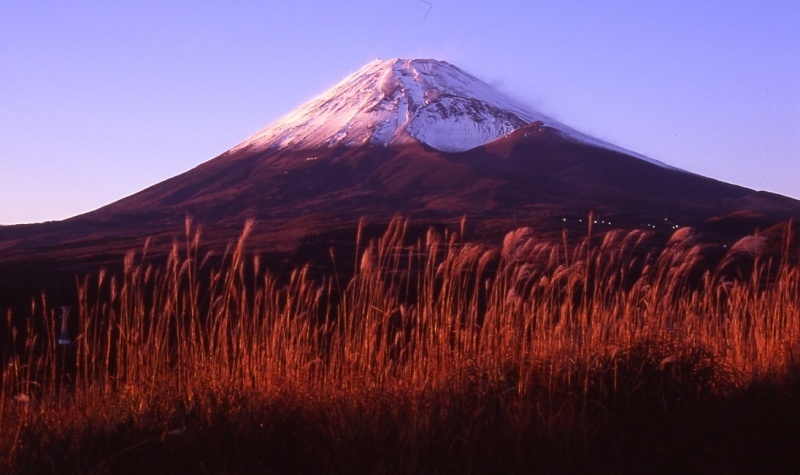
(595,221)
(671,225)
(651,226)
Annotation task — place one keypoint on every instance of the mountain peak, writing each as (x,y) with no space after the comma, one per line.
(394,101)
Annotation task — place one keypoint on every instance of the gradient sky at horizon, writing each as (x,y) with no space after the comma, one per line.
(99,100)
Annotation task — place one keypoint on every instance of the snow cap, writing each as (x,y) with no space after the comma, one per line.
(394,101)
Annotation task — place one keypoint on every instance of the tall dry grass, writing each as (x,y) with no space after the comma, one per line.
(432,345)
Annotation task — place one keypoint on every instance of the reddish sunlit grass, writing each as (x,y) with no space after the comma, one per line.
(436,355)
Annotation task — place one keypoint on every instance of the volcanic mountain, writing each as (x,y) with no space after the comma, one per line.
(420,138)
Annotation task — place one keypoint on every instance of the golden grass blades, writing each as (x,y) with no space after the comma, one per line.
(434,350)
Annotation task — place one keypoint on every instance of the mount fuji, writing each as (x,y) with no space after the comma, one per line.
(418,137)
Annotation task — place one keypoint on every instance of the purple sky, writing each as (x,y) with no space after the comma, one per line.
(102,99)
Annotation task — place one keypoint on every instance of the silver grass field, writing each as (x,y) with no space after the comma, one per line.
(435,355)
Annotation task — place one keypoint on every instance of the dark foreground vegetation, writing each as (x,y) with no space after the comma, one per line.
(436,356)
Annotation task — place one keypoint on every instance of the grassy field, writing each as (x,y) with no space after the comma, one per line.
(436,356)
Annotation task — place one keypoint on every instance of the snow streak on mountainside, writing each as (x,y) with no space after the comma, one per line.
(390,102)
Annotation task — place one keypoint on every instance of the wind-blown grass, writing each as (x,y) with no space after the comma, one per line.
(435,356)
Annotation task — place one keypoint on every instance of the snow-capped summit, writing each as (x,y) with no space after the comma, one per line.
(390,101)
(393,101)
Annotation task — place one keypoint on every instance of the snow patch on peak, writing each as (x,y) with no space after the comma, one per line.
(398,100)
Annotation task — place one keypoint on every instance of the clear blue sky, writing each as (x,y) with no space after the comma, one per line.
(101,99)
